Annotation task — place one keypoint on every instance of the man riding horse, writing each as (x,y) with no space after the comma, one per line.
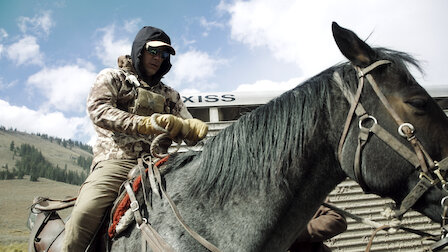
(128,107)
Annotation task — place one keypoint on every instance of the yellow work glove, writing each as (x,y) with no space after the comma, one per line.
(194,130)
(158,124)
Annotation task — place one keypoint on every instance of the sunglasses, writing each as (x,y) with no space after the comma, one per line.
(158,52)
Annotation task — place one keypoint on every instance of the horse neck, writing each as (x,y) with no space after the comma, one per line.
(320,170)
(273,168)
(267,218)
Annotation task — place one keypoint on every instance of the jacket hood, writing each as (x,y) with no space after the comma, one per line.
(146,34)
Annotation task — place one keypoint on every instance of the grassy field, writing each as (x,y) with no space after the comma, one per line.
(16,196)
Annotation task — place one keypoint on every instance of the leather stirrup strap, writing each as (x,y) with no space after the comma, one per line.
(38,225)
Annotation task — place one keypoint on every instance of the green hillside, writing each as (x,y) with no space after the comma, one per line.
(59,152)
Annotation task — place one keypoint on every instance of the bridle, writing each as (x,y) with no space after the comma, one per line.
(431,172)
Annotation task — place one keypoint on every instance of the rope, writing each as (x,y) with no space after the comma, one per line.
(378,227)
(369,244)
(155,144)
(156,140)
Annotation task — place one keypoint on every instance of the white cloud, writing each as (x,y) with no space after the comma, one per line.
(187,42)
(189,91)
(294,31)
(89,66)
(3,34)
(38,25)
(53,124)
(299,32)
(268,85)
(66,88)
(108,49)
(208,25)
(191,67)
(133,25)
(4,85)
(25,52)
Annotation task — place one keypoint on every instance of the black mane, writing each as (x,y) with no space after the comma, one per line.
(260,146)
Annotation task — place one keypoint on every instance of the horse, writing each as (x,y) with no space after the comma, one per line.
(255,185)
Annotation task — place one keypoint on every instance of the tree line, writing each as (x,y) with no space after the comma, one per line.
(63,142)
(34,164)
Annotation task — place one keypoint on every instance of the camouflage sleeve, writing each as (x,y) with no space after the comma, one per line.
(102,104)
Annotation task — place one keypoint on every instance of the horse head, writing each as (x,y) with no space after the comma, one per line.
(393,149)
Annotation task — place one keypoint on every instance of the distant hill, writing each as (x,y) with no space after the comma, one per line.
(61,153)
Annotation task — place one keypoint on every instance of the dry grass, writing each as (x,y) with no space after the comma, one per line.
(16,196)
(14,247)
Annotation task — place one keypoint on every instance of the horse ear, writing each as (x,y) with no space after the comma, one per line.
(352,47)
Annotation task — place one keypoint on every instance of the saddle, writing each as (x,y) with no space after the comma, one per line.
(48,229)
(46,225)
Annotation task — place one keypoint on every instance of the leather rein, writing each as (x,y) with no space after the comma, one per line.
(154,178)
(431,172)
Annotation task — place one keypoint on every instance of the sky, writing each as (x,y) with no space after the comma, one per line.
(52,50)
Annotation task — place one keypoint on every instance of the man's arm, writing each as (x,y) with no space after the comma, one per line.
(324,225)
(102,104)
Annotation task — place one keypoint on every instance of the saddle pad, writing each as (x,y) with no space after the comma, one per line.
(125,202)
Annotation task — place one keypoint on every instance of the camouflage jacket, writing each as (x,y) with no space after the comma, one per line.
(110,106)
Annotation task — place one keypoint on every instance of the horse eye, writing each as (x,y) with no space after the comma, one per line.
(418,103)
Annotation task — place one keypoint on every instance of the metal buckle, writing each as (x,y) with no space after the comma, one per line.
(439,175)
(400,129)
(361,122)
(444,201)
(144,222)
(134,206)
(426,176)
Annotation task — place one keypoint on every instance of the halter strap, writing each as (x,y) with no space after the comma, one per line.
(363,71)
(355,106)
(418,148)
(417,158)
(354,100)
(358,109)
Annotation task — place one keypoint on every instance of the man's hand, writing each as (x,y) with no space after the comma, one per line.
(158,124)
(194,130)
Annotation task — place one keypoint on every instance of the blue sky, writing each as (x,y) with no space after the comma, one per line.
(51,50)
